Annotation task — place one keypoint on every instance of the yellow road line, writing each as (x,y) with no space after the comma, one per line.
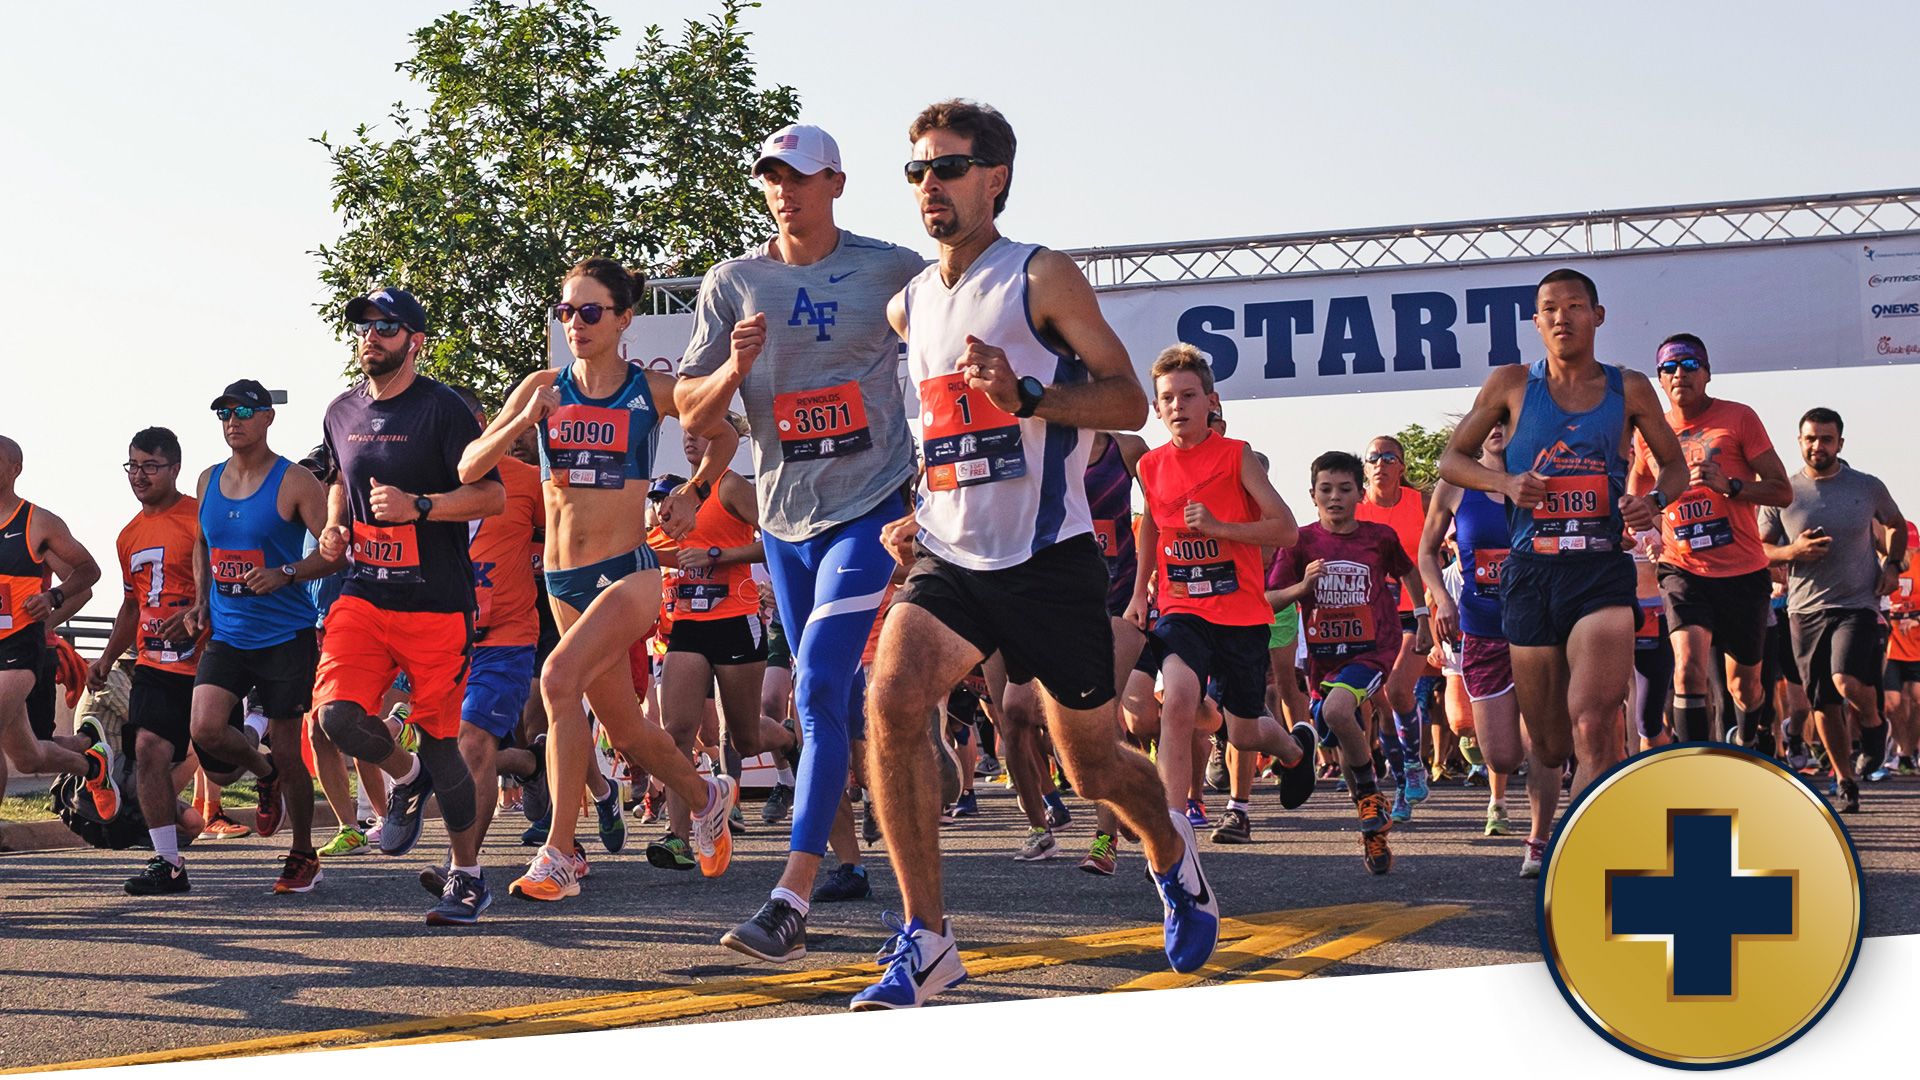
(1259,936)
(1379,933)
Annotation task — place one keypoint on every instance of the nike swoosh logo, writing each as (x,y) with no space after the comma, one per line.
(10,536)
(846,570)
(835,279)
(920,977)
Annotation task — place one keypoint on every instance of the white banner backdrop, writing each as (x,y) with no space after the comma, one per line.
(1824,304)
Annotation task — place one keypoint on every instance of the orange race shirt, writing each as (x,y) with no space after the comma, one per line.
(1705,533)
(719,591)
(21,574)
(504,554)
(1221,581)
(1406,518)
(1904,613)
(156,566)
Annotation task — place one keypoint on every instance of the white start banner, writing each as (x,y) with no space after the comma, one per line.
(1776,307)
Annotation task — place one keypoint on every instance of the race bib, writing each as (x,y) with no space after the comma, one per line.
(1646,635)
(6,607)
(1106,533)
(967,439)
(1699,520)
(156,646)
(695,591)
(1573,516)
(587,446)
(828,422)
(1340,631)
(1487,564)
(1195,568)
(230,570)
(386,553)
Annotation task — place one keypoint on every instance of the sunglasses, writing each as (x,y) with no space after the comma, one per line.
(146,468)
(1685,363)
(386,328)
(241,412)
(589,313)
(945,167)
(1379,456)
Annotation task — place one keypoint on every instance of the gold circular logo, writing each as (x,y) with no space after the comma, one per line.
(1700,906)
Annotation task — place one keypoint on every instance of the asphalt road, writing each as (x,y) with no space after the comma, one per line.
(88,973)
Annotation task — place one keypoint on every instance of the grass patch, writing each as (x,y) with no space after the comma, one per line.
(38,805)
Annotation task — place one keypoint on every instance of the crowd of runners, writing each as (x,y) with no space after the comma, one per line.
(932,580)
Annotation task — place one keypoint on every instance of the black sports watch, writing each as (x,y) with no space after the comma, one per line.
(702,489)
(1735,486)
(58,595)
(1032,390)
(1659,498)
(423,504)
(714,553)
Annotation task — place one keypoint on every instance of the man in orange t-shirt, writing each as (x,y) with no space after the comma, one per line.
(156,553)
(1901,680)
(1713,569)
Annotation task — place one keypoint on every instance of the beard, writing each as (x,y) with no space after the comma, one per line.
(385,363)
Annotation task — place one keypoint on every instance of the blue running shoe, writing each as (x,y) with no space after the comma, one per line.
(1057,815)
(461,901)
(536,833)
(1197,814)
(1402,812)
(406,812)
(1416,788)
(1192,911)
(920,963)
(967,805)
(613,821)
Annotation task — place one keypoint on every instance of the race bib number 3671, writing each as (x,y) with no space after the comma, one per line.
(828,422)
(967,438)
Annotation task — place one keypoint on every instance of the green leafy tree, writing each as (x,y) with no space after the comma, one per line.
(536,152)
(1424,446)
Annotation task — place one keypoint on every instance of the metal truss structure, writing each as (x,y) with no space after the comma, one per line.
(1595,234)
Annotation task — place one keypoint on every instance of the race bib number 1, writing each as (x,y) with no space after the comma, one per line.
(828,422)
(967,439)
(386,553)
(230,570)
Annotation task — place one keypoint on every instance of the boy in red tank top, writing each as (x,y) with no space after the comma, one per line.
(1210,509)
(1338,574)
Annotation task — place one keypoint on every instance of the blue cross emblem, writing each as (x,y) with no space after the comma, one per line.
(1703,905)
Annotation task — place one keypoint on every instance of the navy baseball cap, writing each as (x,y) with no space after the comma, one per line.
(393,303)
(249,392)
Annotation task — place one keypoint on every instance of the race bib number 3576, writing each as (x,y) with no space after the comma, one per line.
(967,438)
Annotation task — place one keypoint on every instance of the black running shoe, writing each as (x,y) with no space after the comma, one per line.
(1849,796)
(1296,781)
(535,800)
(159,878)
(779,804)
(1234,828)
(406,812)
(776,933)
(846,882)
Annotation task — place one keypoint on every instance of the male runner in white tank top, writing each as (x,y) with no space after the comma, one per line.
(1015,370)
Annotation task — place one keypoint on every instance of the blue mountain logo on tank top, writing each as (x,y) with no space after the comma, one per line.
(1567,461)
(819,315)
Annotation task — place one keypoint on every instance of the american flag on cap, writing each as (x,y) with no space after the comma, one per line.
(789,141)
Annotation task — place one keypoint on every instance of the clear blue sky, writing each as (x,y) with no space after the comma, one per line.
(161,192)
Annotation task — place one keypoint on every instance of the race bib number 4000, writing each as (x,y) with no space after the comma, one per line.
(968,439)
(386,553)
(1196,568)
(828,422)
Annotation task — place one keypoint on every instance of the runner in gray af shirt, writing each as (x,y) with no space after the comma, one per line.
(1835,579)
(799,328)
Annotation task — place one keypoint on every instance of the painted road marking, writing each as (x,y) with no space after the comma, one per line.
(1245,941)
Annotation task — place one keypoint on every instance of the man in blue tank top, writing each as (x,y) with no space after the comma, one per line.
(257,512)
(1568,585)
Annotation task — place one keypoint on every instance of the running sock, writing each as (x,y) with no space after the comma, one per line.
(783,774)
(474,870)
(362,804)
(413,772)
(1395,753)
(1409,726)
(793,899)
(166,843)
(1756,728)
(1362,781)
(1691,718)
(257,723)
(1243,807)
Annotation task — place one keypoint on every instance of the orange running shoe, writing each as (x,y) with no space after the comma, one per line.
(223,827)
(551,877)
(300,873)
(102,786)
(712,840)
(1375,822)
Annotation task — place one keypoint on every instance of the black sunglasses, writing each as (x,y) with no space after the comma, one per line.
(1685,363)
(589,313)
(1379,456)
(944,167)
(386,328)
(242,412)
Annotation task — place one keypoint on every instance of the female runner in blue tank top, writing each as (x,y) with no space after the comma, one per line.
(1567,587)
(598,420)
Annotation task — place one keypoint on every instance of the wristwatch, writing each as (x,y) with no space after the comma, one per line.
(287,569)
(713,553)
(1735,486)
(58,595)
(1031,391)
(702,489)
(1659,499)
(424,504)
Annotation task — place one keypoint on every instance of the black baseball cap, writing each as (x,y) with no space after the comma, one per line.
(249,392)
(393,303)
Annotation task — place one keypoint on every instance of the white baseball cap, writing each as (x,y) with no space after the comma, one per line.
(806,148)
